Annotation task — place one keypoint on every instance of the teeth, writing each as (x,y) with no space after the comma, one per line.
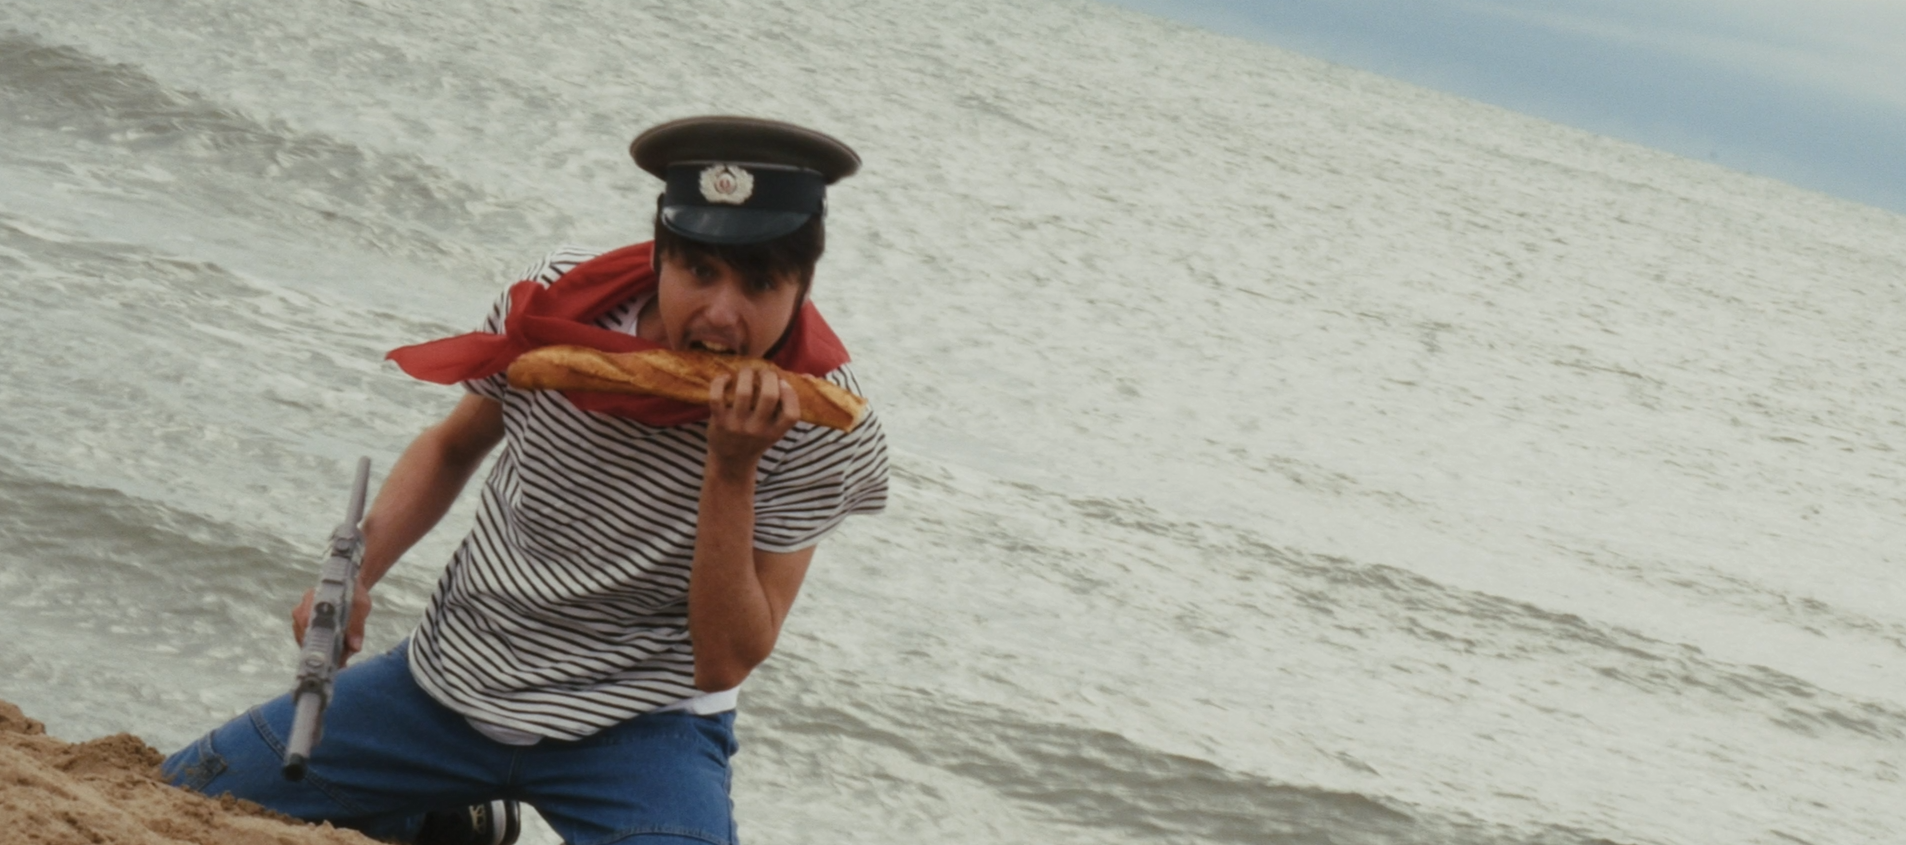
(713,346)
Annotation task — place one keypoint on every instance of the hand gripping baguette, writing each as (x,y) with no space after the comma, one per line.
(675,374)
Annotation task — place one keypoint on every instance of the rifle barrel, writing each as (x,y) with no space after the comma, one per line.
(358,487)
(304,733)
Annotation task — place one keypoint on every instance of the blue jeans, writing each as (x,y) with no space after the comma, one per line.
(390,752)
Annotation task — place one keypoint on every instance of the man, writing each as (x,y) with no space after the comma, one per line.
(634,558)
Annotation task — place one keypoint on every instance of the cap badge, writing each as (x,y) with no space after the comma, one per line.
(726,183)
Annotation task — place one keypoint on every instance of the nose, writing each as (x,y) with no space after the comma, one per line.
(726,304)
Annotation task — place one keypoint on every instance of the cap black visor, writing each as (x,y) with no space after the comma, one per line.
(723,225)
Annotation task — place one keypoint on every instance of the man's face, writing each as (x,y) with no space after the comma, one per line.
(706,305)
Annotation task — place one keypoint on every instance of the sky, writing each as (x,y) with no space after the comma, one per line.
(1811,92)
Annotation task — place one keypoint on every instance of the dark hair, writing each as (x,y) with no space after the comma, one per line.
(794,253)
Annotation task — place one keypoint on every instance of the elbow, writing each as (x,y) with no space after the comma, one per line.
(717,681)
(713,674)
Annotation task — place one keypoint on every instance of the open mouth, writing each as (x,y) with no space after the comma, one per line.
(712,346)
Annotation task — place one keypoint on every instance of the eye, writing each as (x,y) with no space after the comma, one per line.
(703,272)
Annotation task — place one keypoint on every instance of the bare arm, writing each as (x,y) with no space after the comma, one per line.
(739,595)
(426,480)
(420,489)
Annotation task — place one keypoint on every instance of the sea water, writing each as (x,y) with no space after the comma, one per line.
(1282,453)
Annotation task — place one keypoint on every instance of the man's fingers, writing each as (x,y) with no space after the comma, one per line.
(761,410)
(354,631)
(744,392)
(360,611)
(301,616)
(790,405)
(717,393)
(767,396)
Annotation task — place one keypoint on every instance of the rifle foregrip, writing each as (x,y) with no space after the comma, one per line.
(319,640)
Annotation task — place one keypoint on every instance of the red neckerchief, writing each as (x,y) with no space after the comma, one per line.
(565,313)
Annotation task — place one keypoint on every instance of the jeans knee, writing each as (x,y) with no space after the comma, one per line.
(670,837)
(195,766)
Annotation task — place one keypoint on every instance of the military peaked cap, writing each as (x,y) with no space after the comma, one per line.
(741,180)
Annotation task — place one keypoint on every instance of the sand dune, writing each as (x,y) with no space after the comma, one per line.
(107,791)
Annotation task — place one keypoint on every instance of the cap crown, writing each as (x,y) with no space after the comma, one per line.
(742,140)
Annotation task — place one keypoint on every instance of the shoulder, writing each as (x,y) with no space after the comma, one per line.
(820,477)
(544,271)
(810,443)
(843,376)
(556,262)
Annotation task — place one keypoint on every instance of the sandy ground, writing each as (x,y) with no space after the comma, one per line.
(107,791)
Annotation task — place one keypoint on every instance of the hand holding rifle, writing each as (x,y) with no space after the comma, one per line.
(329,625)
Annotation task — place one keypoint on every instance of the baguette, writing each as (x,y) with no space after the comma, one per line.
(682,375)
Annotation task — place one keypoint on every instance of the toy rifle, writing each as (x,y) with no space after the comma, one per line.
(325,637)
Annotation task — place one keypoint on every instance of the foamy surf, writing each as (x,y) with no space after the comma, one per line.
(1283,452)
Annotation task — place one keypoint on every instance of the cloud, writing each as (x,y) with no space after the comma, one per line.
(1809,92)
(1856,48)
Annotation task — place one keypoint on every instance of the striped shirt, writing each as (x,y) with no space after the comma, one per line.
(565,610)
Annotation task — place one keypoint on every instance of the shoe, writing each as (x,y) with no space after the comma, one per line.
(497,822)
